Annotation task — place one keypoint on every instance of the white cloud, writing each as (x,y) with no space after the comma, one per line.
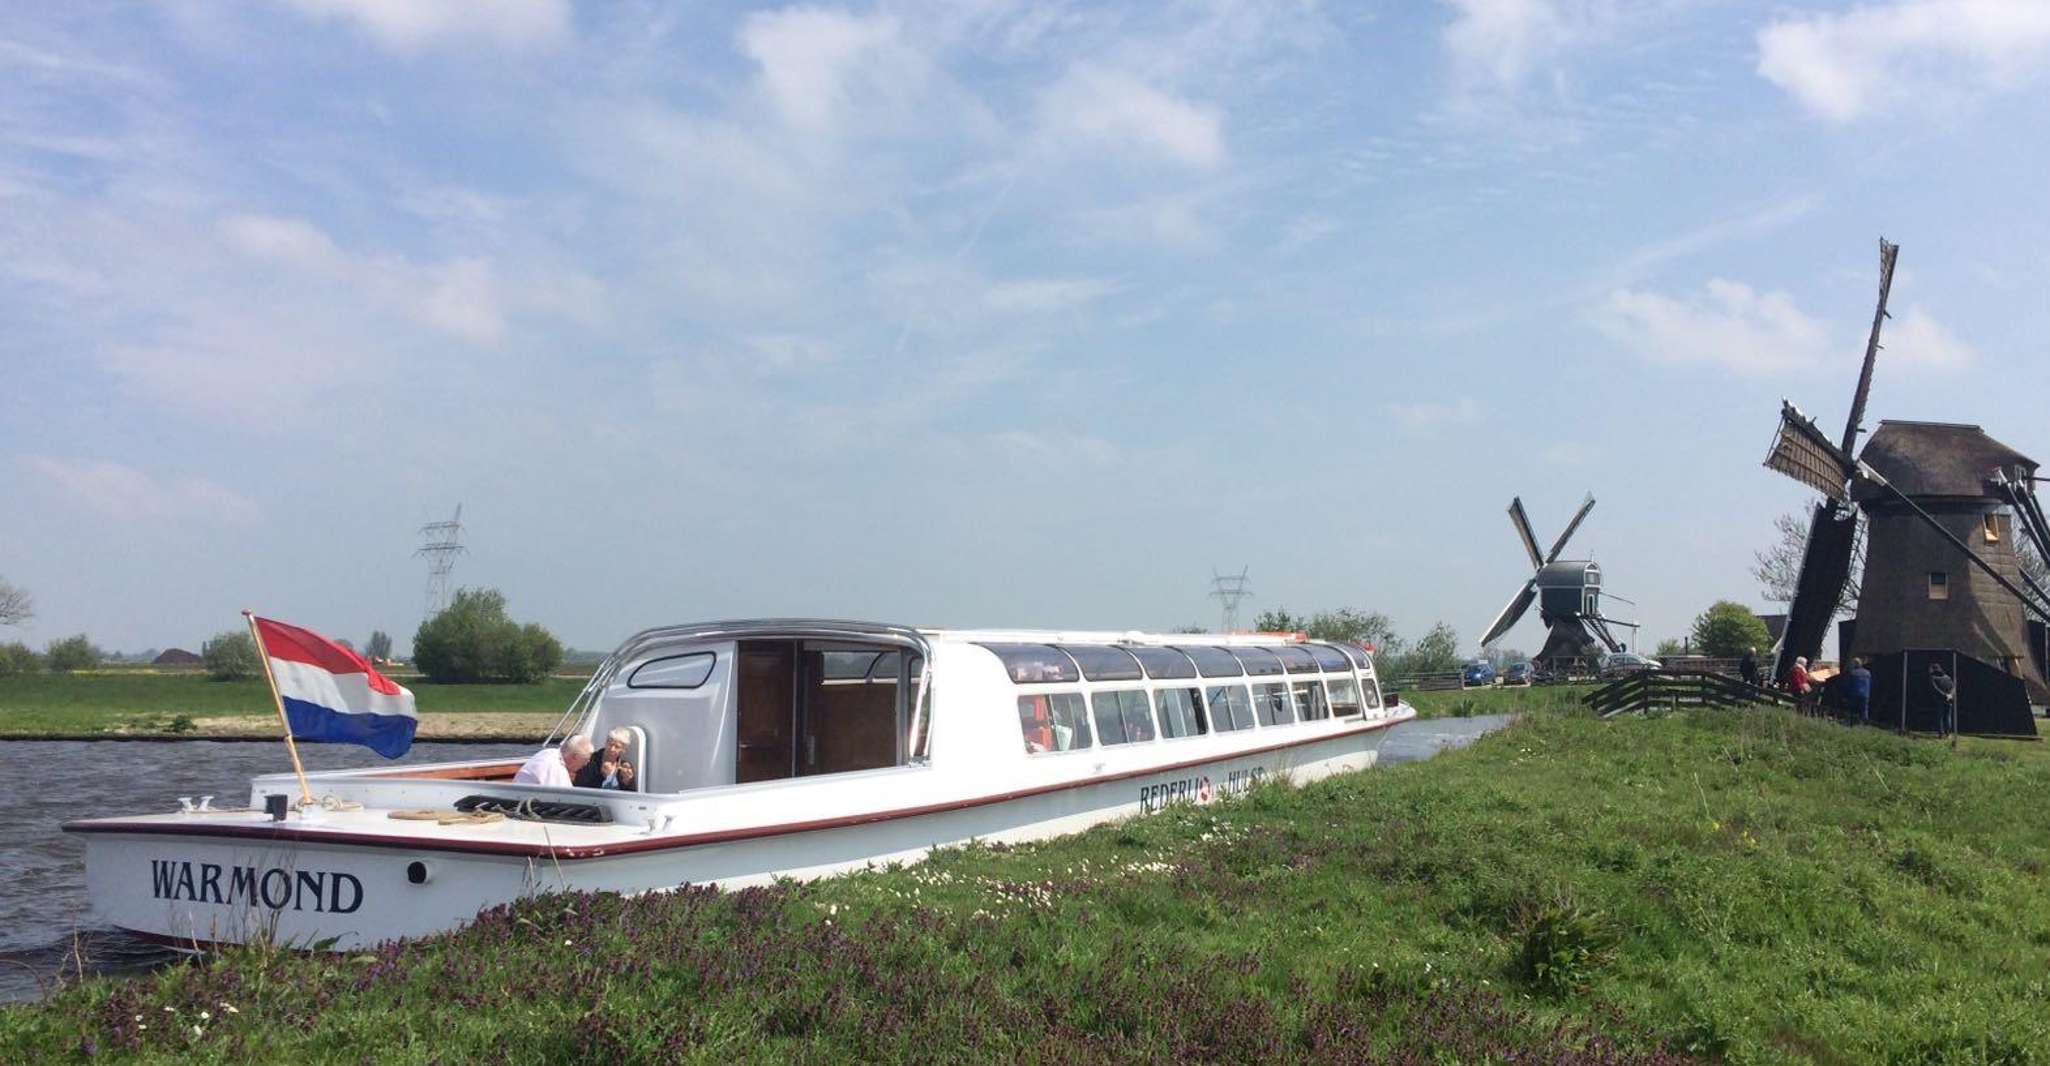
(810,58)
(413,25)
(286,240)
(1424,414)
(129,495)
(1503,40)
(1843,66)
(1042,295)
(1109,108)
(463,300)
(1917,339)
(1728,324)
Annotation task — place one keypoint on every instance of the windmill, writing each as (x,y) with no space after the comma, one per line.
(1568,594)
(1942,579)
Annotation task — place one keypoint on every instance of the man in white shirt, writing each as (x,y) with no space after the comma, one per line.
(555,766)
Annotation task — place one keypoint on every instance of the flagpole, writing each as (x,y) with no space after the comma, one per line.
(263,656)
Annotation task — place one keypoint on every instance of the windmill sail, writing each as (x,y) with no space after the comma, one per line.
(1511,614)
(1801,452)
(1522,523)
(1578,516)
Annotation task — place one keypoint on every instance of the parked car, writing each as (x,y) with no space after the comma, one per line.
(1478,672)
(1519,674)
(1624,662)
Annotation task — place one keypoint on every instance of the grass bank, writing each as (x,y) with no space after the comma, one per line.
(1746,887)
(1497,699)
(118,702)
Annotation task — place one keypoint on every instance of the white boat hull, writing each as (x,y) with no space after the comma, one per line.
(235,879)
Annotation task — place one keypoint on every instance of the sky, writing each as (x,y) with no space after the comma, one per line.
(977,313)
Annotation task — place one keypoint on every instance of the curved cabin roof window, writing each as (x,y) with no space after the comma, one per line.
(1102,663)
(1031,664)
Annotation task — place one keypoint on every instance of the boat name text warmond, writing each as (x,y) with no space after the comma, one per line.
(276,888)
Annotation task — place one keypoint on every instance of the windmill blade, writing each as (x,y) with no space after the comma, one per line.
(1819,588)
(1511,614)
(1560,544)
(1522,523)
(1800,451)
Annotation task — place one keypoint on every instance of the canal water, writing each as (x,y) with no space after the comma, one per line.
(45,926)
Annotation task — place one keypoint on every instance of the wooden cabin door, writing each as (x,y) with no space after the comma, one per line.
(765,740)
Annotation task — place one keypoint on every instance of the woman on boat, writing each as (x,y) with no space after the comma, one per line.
(609,768)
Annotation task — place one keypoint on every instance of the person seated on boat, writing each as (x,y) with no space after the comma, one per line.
(556,766)
(609,768)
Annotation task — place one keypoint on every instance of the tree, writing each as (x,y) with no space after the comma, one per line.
(1727,629)
(1278,620)
(71,654)
(1435,652)
(474,640)
(378,647)
(1778,567)
(1347,624)
(18,658)
(1669,647)
(230,656)
(16,605)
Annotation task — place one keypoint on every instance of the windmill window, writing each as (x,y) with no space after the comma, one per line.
(1992,529)
(1939,585)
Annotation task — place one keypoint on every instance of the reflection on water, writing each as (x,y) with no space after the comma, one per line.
(45,928)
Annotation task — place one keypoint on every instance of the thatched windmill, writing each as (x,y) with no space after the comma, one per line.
(1943,582)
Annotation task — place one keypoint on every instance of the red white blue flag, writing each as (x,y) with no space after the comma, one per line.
(331,694)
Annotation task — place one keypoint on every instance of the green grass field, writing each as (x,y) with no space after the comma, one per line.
(135,701)
(1733,886)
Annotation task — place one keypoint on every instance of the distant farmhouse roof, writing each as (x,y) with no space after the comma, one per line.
(1937,459)
(176,657)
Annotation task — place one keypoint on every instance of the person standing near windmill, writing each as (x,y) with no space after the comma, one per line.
(1946,692)
(1860,691)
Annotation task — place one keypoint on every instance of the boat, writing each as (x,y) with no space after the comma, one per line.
(765,749)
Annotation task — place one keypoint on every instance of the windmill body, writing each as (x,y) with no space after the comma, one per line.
(1918,591)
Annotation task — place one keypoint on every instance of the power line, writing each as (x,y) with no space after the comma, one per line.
(442,542)
(1229,590)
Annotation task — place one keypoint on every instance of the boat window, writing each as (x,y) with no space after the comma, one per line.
(1370,694)
(1032,663)
(921,734)
(853,665)
(1230,708)
(1297,659)
(1330,658)
(1309,698)
(1258,660)
(1122,716)
(1164,662)
(676,671)
(1181,712)
(1270,702)
(1053,721)
(1100,663)
(1213,662)
(1345,696)
(1357,654)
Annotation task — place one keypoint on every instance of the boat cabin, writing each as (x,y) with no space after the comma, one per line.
(735,703)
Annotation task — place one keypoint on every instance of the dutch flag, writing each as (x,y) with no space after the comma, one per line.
(331,694)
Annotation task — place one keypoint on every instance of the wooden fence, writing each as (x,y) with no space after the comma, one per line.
(1673,689)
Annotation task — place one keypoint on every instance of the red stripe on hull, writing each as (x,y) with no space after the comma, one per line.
(631,847)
